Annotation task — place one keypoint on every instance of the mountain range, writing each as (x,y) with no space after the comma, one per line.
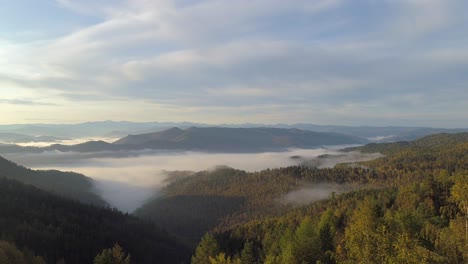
(417,191)
(123,128)
(215,139)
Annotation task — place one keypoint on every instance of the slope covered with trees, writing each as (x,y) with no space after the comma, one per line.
(227,139)
(213,139)
(418,214)
(10,254)
(58,228)
(68,184)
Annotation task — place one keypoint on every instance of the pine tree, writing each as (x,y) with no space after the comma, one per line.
(247,254)
(207,248)
(114,255)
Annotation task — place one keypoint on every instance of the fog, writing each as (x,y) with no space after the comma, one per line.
(70,141)
(309,194)
(330,160)
(127,179)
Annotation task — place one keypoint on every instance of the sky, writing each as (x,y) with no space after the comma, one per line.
(360,62)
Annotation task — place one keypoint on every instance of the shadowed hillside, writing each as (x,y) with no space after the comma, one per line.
(68,184)
(56,228)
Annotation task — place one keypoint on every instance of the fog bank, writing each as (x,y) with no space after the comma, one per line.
(313,193)
(127,179)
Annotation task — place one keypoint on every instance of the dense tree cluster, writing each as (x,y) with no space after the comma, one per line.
(68,184)
(10,254)
(418,214)
(410,206)
(57,228)
(214,193)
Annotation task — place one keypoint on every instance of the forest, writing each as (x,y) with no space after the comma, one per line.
(61,229)
(416,212)
(409,206)
(66,184)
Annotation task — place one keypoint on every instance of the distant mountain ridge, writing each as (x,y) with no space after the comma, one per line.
(207,139)
(21,138)
(123,128)
(237,139)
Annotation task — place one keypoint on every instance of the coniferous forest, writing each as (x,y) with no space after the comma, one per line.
(416,213)
(409,206)
(233,132)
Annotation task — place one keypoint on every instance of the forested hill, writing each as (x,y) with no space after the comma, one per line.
(224,199)
(427,142)
(237,139)
(212,139)
(68,184)
(58,228)
(417,214)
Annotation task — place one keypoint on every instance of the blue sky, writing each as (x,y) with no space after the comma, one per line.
(361,62)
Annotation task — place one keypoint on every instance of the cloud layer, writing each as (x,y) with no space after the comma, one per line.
(127,179)
(325,61)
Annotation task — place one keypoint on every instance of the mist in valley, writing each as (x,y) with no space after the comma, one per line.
(126,179)
(312,193)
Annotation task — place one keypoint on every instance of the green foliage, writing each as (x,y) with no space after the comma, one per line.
(10,254)
(459,195)
(67,184)
(416,213)
(207,249)
(114,255)
(56,228)
(247,254)
(221,258)
(189,217)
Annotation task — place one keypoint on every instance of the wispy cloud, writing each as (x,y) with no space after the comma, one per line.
(23,102)
(316,60)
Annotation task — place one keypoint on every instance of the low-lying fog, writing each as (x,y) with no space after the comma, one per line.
(127,179)
(70,141)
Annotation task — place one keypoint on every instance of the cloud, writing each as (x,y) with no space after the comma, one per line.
(23,102)
(316,60)
(138,175)
(309,194)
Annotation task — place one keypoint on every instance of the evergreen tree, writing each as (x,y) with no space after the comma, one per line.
(460,196)
(10,254)
(207,248)
(306,244)
(114,255)
(247,254)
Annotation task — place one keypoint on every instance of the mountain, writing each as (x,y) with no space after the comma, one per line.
(57,229)
(236,139)
(418,214)
(222,199)
(21,138)
(67,184)
(91,129)
(436,140)
(214,139)
(123,128)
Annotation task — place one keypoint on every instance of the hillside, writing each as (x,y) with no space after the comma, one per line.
(68,184)
(114,128)
(236,139)
(416,215)
(436,140)
(58,228)
(20,138)
(213,139)
(258,195)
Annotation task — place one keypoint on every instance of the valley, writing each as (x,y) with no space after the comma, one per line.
(233,132)
(191,194)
